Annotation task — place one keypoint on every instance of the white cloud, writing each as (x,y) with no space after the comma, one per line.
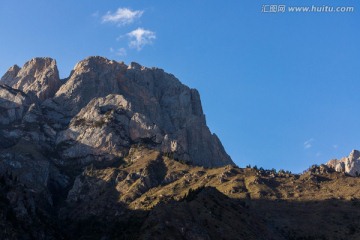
(122,16)
(308,143)
(140,37)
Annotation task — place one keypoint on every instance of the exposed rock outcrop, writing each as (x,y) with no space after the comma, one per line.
(13,104)
(159,111)
(349,165)
(105,106)
(38,76)
(100,131)
(9,77)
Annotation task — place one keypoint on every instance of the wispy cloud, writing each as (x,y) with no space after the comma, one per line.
(335,146)
(308,143)
(122,16)
(137,38)
(119,52)
(140,37)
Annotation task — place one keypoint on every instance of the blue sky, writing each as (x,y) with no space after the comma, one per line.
(281,90)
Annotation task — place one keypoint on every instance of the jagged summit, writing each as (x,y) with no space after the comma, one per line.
(9,77)
(164,114)
(39,77)
(355,154)
(349,165)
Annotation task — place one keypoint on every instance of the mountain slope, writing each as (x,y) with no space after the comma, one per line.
(157,197)
(160,111)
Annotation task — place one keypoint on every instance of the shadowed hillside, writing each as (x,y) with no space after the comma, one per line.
(157,197)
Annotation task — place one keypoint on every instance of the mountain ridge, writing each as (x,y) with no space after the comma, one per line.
(123,152)
(161,106)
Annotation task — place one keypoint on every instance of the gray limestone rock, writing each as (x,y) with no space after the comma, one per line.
(38,76)
(99,131)
(349,165)
(9,77)
(13,104)
(161,111)
(105,107)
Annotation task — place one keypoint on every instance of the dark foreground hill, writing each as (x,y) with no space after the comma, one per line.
(156,197)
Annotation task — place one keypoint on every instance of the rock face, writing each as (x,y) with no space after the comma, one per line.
(111,106)
(105,107)
(349,165)
(38,76)
(9,77)
(13,104)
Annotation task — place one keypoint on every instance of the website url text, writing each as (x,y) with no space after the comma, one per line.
(306,9)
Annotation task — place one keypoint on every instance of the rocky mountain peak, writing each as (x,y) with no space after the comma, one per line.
(94,63)
(135,65)
(10,75)
(355,154)
(40,63)
(106,107)
(349,165)
(39,77)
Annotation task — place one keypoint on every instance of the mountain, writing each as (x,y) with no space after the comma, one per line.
(39,76)
(349,165)
(119,151)
(106,107)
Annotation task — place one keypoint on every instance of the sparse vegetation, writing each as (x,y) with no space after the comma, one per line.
(192,193)
(99,123)
(79,122)
(119,199)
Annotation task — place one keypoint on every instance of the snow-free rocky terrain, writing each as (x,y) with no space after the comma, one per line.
(123,152)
